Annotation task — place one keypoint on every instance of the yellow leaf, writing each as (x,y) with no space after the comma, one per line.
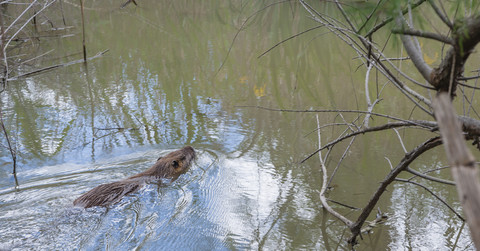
(430,60)
(259,91)
(243,80)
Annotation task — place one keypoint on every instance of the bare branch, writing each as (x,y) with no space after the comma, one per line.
(367,95)
(388,20)
(440,14)
(323,199)
(466,37)
(370,129)
(404,163)
(345,205)
(342,34)
(242,27)
(427,177)
(470,125)
(340,161)
(286,39)
(419,33)
(339,6)
(421,123)
(414,54)
(400,139)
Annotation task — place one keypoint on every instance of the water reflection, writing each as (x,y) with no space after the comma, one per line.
(158,90)
(416,229)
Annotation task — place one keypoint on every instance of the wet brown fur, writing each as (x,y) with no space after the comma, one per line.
(169,166)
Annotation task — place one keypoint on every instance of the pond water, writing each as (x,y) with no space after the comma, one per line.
(182,73)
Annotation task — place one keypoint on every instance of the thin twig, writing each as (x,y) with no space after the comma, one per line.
(345,205)
(242,27)
(323,199)
(367,130)
(427,177)
(440,14)
(367,95)
(400,139)
(333,110)
(432,193)
(285,40)
(340,161)
(419,33)
(388,20)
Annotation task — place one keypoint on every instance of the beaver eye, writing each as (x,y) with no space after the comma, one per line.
(175,163)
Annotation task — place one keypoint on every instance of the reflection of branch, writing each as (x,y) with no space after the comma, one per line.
(13,153)
(115,128)
(48,68)
(432,193)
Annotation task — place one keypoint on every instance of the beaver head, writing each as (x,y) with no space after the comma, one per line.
(170,165)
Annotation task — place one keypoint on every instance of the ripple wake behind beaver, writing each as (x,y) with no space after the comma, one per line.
(170,166)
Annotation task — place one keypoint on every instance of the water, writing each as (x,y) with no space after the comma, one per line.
(167,82)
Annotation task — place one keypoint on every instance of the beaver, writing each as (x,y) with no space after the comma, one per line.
(169,166)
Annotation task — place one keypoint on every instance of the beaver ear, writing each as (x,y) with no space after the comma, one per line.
(175,164)
(159,158)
